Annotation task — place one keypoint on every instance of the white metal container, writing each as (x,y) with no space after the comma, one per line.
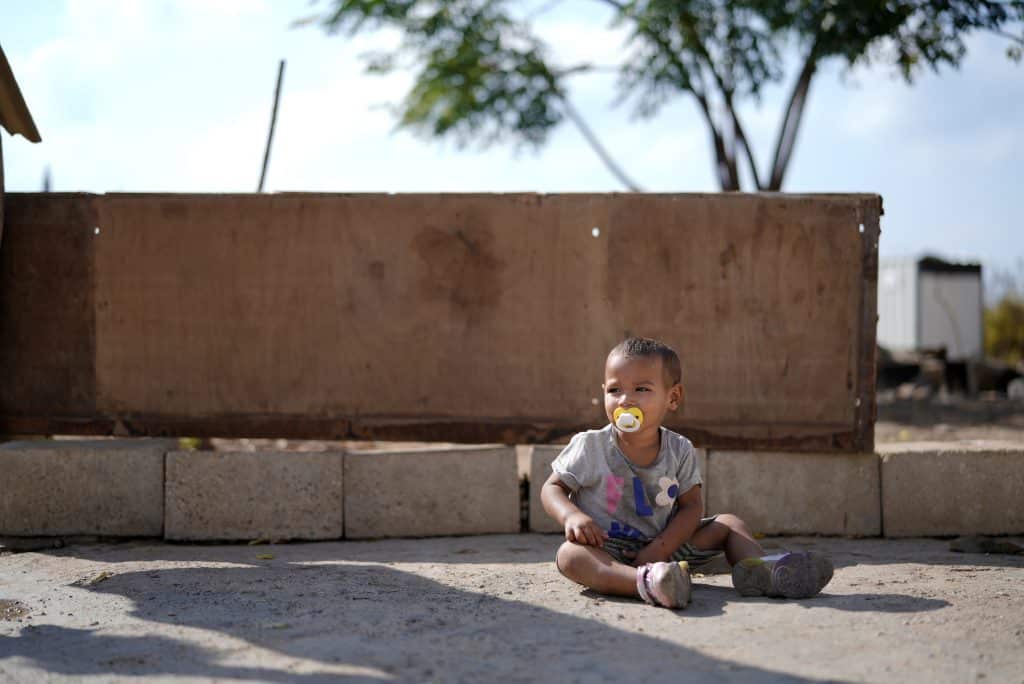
(928,303)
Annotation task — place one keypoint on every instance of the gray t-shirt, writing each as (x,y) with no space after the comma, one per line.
(627,501)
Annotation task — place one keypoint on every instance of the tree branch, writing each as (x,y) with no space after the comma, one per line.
(728,176)
(791,120)
(1009,36)
(726,92)
(596,145)
(725,166)
(587,68)
(546,7)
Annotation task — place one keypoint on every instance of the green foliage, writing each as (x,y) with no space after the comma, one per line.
(1004,329)
(909,34)
(482,74)
(1004,315)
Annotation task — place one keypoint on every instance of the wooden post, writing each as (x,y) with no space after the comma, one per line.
(1,189)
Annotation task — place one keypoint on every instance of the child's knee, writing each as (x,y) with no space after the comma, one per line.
(565,559)
(572,560)
(731,521)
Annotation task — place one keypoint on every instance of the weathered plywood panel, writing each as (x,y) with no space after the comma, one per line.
(761,297)
(47,313)
(480,317)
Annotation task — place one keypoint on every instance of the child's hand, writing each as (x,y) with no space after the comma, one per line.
(581,528)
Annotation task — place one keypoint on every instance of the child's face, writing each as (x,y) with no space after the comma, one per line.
(639,381)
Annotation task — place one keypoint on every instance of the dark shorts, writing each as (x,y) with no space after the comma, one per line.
(623,550)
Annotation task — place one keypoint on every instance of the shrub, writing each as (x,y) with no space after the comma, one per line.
(1004,329)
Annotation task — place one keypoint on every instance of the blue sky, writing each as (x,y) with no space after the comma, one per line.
(175,96)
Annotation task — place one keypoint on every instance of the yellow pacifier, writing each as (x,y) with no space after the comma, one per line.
(628,420)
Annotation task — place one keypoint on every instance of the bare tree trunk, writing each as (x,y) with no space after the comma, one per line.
(725,164)
(791,121)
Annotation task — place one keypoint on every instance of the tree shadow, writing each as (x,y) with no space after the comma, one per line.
(310,622)
(85,652)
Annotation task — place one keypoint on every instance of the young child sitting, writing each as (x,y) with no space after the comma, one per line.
(629,498)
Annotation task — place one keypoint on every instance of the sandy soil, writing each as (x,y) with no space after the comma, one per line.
(493,608)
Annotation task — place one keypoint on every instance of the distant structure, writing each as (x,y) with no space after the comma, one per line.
(928,303)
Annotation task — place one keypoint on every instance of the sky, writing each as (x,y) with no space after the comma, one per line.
(175,96)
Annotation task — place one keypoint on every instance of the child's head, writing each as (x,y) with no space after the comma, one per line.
(645,374)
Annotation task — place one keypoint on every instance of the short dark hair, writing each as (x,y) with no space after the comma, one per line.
(646,347)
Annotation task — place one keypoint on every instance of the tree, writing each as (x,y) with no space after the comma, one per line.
(1004,315)
(482,73)
(1004,329)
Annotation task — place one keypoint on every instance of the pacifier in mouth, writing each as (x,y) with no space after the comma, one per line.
(628,420)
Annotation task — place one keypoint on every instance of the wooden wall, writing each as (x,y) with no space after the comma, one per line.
(441,317)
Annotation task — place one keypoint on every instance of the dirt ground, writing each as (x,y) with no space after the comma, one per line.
(952,419)
(494,608)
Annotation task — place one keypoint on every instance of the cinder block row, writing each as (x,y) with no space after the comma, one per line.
(431,491)
(253,495)
(144,487)
(147,488)
(913,489)
(796,493)
(91,487)
(952,488)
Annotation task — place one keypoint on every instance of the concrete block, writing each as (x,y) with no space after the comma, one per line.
(431,492)
(254,495)
(106,487)
(540,469)
(952,488)
(792,493)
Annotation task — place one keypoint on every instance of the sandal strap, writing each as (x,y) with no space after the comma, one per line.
(642,588)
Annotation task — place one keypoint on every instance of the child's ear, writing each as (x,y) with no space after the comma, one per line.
(675,396)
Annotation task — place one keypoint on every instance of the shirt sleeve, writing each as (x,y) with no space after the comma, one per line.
(575,466)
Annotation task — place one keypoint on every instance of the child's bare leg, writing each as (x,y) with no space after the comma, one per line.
(731,534)
(594,568)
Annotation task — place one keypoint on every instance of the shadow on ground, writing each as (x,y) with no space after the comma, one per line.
(337,610)
(372,620)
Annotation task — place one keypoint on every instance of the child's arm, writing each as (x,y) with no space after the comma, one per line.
(677,532)
(579,527)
